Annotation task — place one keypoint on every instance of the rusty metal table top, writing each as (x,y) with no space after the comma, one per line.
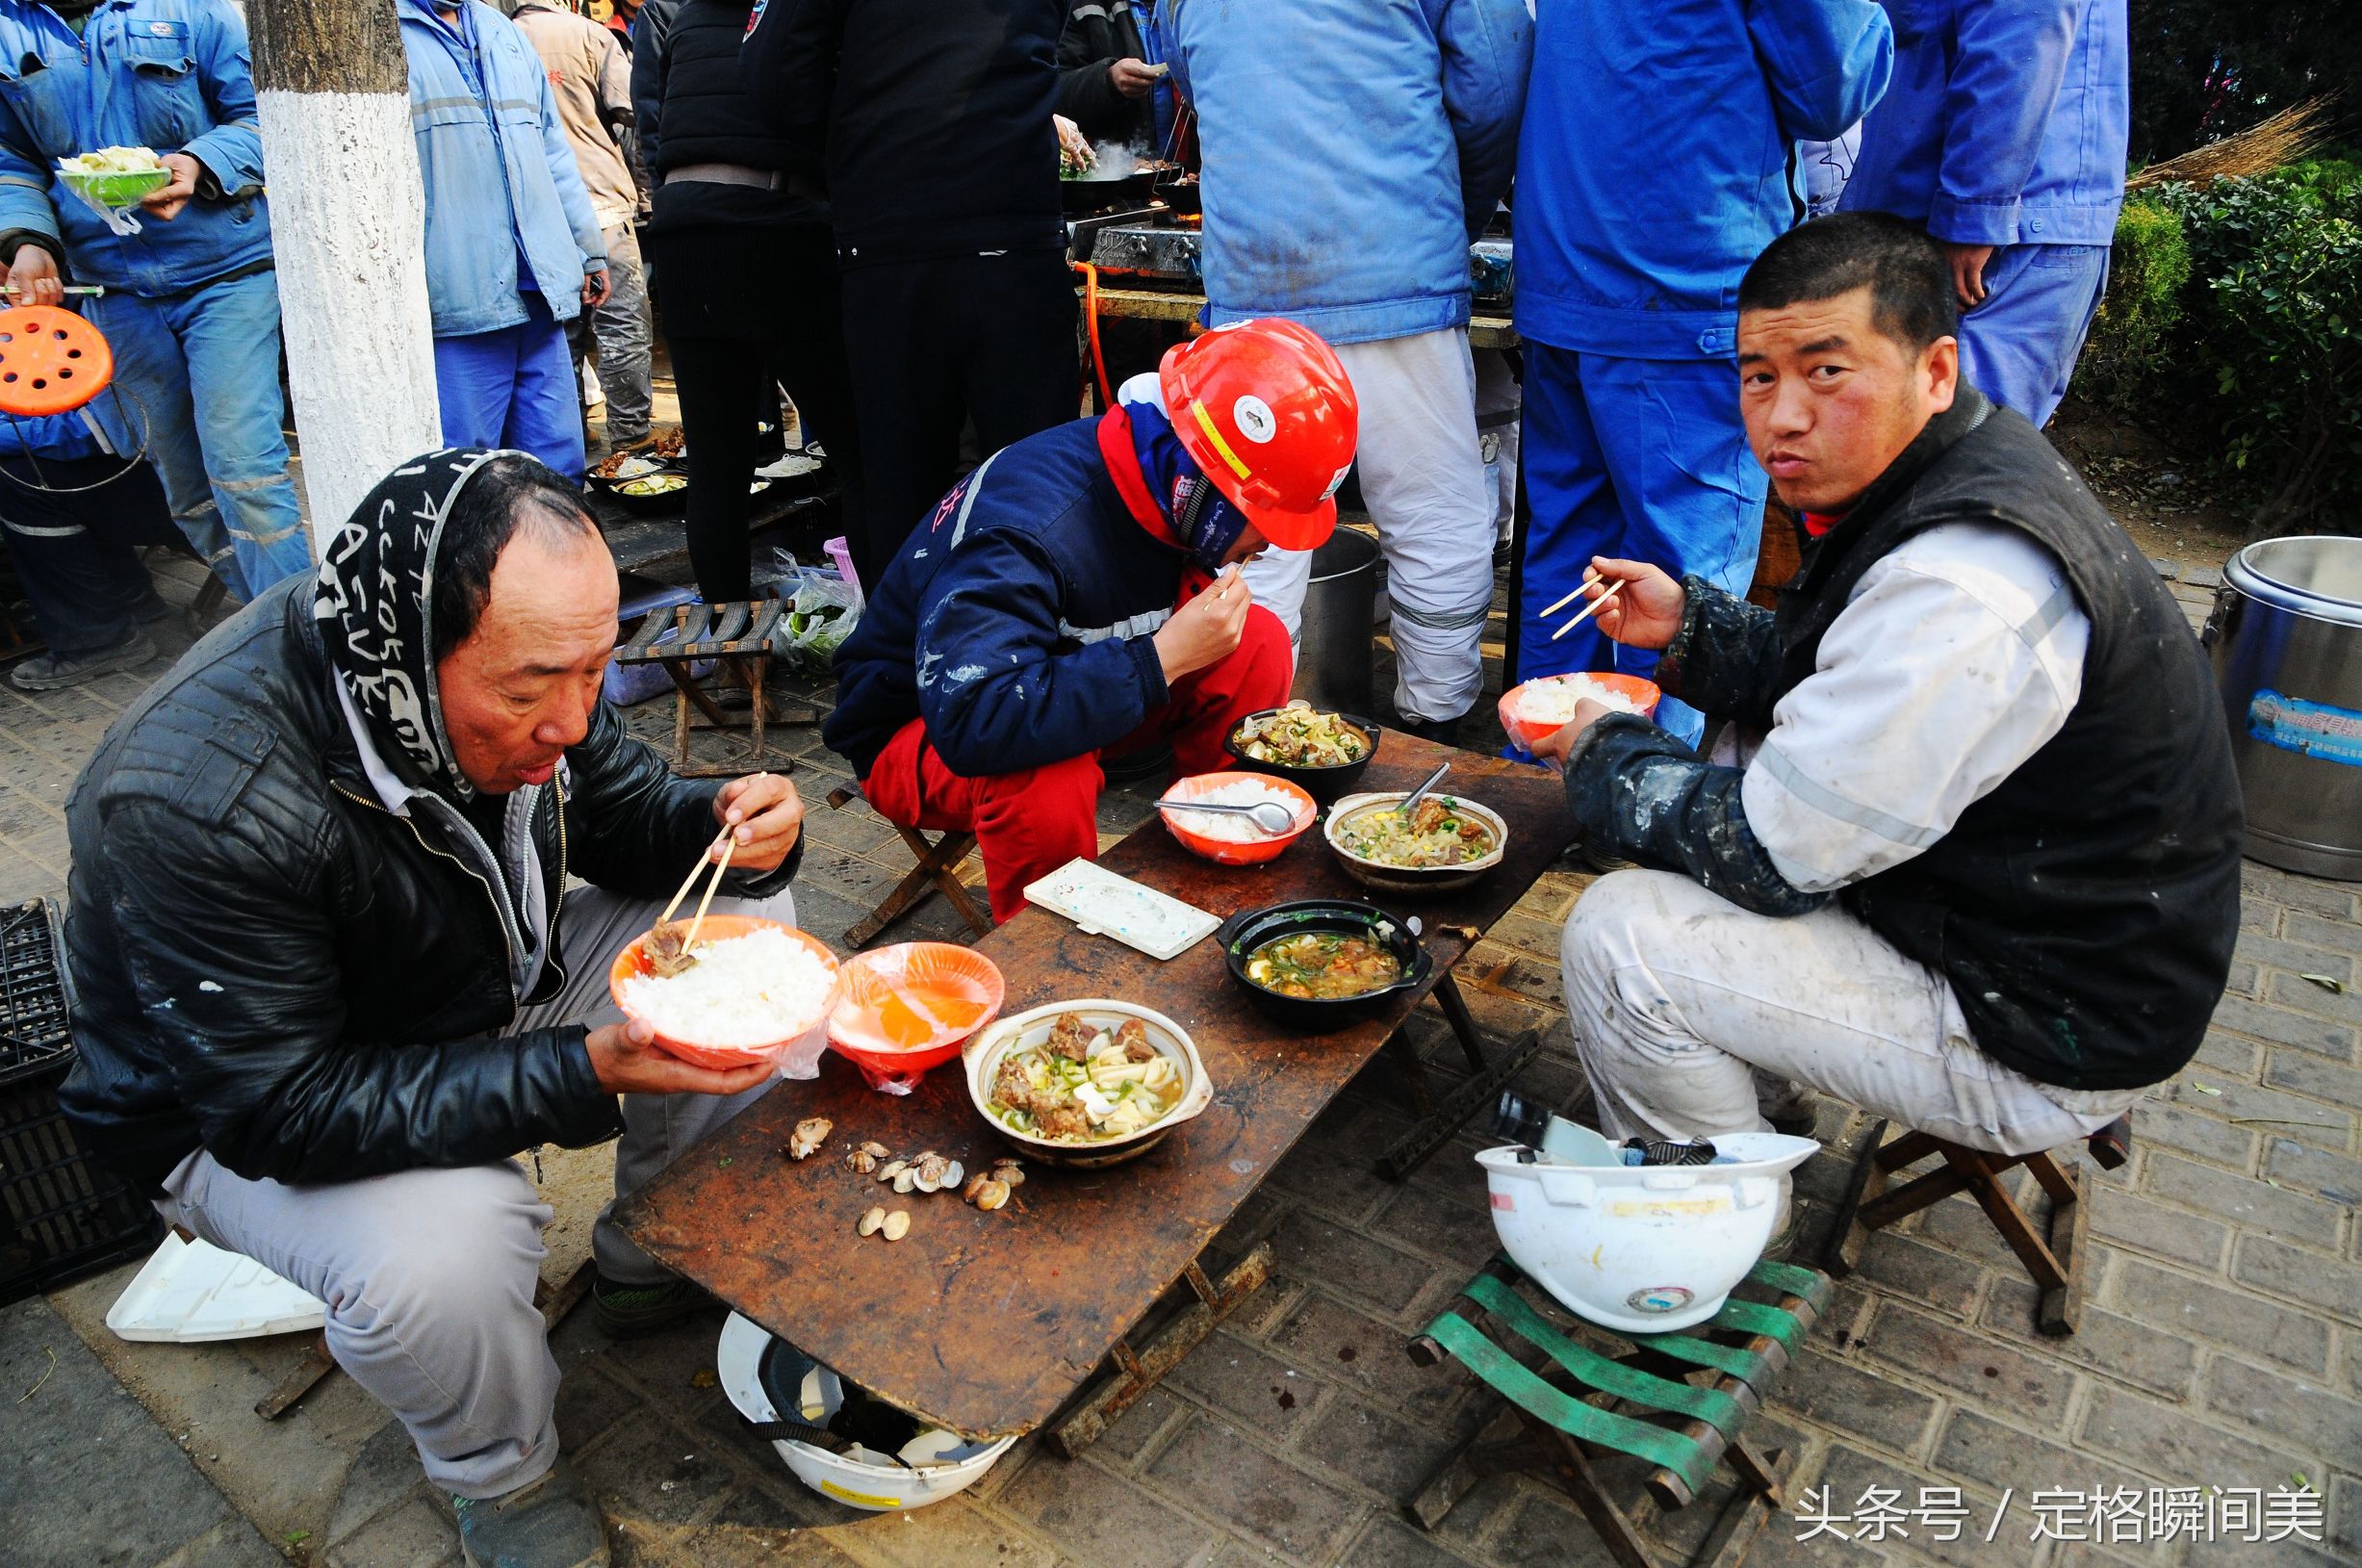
(987,1323)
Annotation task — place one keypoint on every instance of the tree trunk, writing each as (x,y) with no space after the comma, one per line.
(348,228)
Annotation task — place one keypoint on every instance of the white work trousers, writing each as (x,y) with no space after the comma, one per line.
(1679,998)
(429,1274)
(1423,479)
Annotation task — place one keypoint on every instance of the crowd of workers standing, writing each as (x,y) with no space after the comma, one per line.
(857,202)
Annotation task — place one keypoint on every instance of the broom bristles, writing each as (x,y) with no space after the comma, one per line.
(2273,143)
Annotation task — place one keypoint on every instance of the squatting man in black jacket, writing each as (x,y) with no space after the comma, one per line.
(1972,859)
(331,978)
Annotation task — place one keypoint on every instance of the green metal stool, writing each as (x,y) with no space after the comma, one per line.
(1559,1417)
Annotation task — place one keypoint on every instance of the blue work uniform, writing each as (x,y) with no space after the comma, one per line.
(2007,126)
(75,513)
(510,233)
(192,308)
(1652,168)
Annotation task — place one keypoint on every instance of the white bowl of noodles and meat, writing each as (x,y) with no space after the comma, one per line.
(1086,1083)
(1449,841)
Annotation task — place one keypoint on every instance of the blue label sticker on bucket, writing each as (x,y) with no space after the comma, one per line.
(2334,734)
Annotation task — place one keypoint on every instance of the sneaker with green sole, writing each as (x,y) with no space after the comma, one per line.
(625,1310)
(550,1522)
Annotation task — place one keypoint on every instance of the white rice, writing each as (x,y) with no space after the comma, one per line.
(756,990)
(1229,829)
(1552,699)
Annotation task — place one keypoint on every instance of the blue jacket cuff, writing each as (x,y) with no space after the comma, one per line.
(1973,222)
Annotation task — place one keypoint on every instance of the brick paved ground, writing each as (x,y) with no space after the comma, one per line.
(2222,1344)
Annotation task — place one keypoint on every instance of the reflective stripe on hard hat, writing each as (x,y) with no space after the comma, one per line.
(1205,422)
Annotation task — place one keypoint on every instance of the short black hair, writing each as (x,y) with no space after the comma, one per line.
(511,492)
(1911,286)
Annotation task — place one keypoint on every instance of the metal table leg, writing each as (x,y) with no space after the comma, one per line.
(1487,1075)
(1140,1370)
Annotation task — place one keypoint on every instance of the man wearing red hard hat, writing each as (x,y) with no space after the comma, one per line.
(1081,589)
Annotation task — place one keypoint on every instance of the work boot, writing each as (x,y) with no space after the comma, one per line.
(625,1311)
(550,1522)
(150,608)
(55,672)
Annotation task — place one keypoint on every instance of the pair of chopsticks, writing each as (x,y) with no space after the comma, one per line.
(729,847)
(1594,607)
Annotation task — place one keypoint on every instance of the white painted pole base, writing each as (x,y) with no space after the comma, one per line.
(349,230)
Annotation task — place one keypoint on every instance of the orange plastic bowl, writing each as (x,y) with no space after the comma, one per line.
(633,963)
(904,1009)
(1254,851)
(1525,732)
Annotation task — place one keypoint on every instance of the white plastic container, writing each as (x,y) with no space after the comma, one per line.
(1642,1249)
(880,1488)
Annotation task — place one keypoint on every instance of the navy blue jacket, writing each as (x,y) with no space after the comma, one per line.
(1016,620)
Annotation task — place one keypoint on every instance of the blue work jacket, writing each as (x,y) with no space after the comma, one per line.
(2007,123)
(171,75)
(506,208)
(1351,151)
(1654,163)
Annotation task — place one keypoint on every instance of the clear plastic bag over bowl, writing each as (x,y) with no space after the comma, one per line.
(796,1054)
(904,1009)
(1519,704)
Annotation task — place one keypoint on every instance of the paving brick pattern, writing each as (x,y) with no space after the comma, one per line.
(2222,1344)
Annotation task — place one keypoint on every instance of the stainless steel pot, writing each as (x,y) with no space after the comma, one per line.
(2286,641)
(1337,640)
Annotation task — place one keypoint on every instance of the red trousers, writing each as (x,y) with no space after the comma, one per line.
(1030,823)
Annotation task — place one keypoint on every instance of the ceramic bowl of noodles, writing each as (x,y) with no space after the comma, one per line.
(1447,841)
(1087,1083)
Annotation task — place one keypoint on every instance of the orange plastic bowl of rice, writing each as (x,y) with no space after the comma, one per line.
(758,988)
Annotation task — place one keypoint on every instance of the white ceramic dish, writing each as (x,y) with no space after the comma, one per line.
(982,1054)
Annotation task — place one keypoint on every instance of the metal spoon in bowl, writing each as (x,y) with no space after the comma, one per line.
(1412,799)
(1269,816)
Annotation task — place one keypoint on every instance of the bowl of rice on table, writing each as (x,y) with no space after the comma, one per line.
(1545,706)
(756,989)
(1224,837)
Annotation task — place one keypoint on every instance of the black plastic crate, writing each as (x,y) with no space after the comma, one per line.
(60,1217)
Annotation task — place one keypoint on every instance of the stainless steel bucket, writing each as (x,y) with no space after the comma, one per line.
(1338,637)
(2286,640)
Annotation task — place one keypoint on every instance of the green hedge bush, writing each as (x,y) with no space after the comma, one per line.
(2256,355)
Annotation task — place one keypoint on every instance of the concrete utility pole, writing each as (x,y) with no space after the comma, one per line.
(349,227)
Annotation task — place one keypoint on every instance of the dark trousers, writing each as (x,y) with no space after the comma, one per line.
(75,548)
(937,344)
(724,380)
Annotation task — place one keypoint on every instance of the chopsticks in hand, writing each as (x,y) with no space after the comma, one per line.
(1588,610)
(729,840)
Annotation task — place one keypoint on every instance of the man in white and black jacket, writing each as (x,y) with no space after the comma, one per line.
(1970,858)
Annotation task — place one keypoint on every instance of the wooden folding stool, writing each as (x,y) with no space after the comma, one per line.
(2052,1254)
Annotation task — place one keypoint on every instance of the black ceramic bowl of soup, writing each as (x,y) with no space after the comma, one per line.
(1321,963)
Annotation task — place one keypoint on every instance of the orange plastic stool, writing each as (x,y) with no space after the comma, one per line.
(51,361)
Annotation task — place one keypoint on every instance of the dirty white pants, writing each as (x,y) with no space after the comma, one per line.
(1679,998)
(1424,482)
(429,1274)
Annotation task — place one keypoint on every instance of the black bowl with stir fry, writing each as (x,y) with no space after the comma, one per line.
(1320,963)
(1323,753)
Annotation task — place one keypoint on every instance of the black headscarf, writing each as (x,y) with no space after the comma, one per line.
(375,607)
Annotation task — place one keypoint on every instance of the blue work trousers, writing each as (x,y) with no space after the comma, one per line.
(201,370)
(74,527)
(1636,459)
(513,388)
(2019,347)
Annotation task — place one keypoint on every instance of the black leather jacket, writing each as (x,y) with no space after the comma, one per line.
(269,963)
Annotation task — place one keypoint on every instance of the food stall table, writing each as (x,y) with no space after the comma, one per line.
(988,1323)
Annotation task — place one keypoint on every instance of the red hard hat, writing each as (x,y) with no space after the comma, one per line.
(1264,410)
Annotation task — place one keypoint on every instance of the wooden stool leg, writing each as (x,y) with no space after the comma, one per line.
(1498,1446)
(2061,1312)
(1867,1181)
(1582,1484)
